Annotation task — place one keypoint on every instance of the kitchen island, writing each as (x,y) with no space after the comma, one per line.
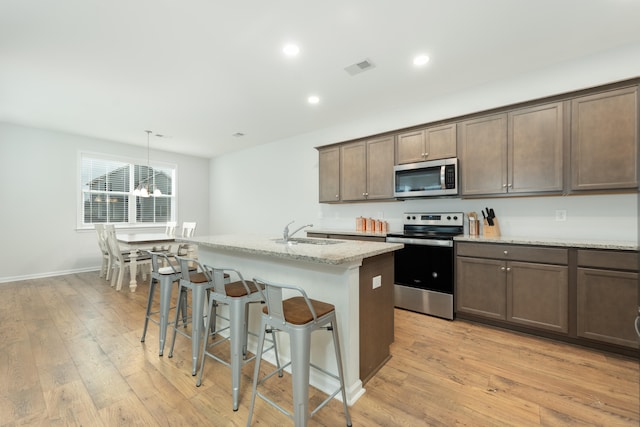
(355,276)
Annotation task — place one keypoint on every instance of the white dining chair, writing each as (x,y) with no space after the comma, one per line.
(170,230)
(121,260)
(188,228)
(105,269)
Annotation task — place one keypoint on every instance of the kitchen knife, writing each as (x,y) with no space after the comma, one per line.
(489,218)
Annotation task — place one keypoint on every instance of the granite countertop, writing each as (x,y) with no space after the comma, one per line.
(346,251)
(549,241)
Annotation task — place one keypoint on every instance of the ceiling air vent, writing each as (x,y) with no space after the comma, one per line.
(359,67)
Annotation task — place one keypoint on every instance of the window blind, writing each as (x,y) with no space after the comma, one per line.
(108,192)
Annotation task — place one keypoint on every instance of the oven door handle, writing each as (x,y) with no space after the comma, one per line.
(421,242)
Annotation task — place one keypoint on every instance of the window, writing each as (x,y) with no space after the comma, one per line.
(111,192)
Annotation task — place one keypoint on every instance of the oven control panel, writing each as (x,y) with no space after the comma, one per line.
(434,218)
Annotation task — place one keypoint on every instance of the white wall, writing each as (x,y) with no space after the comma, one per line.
(38,172)
(259,190)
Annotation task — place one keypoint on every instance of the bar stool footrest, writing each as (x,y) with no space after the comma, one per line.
(282,368)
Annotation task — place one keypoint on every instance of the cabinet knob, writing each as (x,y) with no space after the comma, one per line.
(509,185)
(502,268)
(504,185)
(337,196)
(506,252)
(426,154)
(508,268)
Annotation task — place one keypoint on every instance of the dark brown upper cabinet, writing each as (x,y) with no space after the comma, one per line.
(437,142)
(518,152)
(329,167)
(604,140)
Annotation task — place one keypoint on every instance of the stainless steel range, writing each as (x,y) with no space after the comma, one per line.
(424,277)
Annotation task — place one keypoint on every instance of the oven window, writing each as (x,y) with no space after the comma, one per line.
(425,267)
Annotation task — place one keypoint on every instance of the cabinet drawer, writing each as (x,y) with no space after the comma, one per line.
(513,252)
(608,259)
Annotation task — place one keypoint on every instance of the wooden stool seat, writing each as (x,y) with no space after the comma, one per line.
(297,312)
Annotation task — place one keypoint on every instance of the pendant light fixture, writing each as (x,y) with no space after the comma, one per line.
(144,190)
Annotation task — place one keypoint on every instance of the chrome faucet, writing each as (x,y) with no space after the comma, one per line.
(286,235)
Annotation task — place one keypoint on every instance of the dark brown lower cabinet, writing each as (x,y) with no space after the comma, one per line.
(481,287)
(588,297)
(538,295)
(525,293)
(607,291)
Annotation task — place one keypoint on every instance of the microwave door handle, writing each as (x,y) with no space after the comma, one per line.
(442,181)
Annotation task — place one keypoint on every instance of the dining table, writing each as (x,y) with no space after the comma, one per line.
(136,242)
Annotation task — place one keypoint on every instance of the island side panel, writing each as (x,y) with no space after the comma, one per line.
(376,313)
(335,284)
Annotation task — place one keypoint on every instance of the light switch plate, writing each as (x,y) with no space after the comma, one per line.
(561,215)
(377,282)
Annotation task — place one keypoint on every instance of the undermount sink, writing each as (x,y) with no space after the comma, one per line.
(306,241)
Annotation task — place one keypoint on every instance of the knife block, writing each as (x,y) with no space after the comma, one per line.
(490,231)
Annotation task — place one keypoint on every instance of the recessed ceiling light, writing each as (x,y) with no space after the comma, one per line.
(420,60)
(291,49)
(313,99)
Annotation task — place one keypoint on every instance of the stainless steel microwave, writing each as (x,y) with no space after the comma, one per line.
(424,179)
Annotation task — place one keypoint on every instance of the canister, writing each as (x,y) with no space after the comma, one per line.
(474,227)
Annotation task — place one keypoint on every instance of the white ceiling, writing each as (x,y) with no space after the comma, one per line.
(199,71)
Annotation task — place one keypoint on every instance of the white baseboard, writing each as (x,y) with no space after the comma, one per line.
(47,274)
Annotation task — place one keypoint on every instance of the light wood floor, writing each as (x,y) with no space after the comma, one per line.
(71,355)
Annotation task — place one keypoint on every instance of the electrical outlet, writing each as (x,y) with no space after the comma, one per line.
(377,282)
(561,215)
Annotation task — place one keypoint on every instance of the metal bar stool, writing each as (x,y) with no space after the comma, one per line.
(166,276)
(298,316)
(199,281)
(236,295)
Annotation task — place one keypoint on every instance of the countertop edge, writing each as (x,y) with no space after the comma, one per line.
(568,243)
(516,240)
